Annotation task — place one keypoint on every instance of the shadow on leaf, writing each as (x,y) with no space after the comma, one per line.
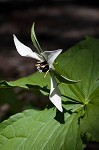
(38,88)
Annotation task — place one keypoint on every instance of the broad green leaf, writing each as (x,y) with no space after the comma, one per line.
(40,130)
(81,62)
(35,82)
(90,122)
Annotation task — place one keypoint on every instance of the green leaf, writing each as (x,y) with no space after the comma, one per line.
(36,82)
(34,40)
(63,79)
(81,62)
(40,130)
(90,122)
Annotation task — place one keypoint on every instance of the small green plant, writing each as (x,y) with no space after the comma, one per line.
(71,79)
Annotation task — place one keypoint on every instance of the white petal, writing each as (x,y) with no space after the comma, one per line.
(25,51)
(50,56)
(55,95)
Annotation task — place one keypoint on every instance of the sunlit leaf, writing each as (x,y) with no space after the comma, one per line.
(40,130)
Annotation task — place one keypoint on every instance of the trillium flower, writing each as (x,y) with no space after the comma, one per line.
(45,63)
(45,60)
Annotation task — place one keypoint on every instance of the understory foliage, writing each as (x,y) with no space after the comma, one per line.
(50,129)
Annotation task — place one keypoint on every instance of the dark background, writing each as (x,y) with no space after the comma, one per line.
(58,24)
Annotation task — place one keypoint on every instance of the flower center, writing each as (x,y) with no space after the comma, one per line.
(42,66)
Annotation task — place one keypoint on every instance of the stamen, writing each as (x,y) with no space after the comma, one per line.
(42,66)
(37,65)
(46,73)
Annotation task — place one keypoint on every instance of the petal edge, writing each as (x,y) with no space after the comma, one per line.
(50,56)
(25,51)
(55,95)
